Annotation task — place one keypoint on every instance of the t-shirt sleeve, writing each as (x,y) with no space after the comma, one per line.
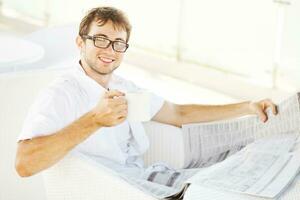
(46,115)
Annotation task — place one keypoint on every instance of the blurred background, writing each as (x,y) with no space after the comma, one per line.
(188,51)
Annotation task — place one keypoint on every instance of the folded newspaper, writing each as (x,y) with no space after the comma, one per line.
(243,155)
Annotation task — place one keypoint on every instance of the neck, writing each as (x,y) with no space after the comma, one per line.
(101,79)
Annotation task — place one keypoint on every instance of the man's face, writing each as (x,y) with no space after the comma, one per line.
(103,60)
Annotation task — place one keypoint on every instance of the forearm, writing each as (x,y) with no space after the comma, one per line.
(207,113)
(42,152)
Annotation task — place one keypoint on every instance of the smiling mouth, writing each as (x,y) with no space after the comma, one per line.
(106,60)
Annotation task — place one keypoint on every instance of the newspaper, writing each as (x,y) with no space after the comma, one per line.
(163,184)
(208,143)
(263,168)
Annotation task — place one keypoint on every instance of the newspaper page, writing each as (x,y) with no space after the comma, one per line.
(163,183)
(208,143)
(264,168)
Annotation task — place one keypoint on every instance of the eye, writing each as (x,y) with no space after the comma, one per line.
(101,39)
(119,43)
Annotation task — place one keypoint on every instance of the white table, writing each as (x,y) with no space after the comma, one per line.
(17,52)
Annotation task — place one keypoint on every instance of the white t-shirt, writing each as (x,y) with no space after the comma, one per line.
(74,94)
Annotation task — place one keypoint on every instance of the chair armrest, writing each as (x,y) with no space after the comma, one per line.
(166,144)
(74,178)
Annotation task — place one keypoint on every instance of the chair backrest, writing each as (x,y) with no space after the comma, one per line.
(18,91)
(76,178)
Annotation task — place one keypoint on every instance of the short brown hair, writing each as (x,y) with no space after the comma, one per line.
(104,14)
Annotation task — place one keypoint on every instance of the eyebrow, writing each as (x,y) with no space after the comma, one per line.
(103,35)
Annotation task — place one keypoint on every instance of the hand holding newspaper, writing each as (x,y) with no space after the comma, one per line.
(208,143)
(265,168)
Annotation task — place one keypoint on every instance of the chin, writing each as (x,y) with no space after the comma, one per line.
(104,72)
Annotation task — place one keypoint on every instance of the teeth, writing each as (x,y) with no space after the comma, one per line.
(106,59)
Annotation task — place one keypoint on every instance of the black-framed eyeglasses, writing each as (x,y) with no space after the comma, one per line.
(103,43)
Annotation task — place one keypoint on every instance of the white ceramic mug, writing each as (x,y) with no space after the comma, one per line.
(138,106)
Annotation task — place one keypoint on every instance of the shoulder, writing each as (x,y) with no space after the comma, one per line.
(69,83)
(62,90)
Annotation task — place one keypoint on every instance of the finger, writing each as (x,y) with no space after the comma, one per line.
(274,109)
(121,119)
(269,103)
(122,113)
(114,93)
(122,107)
(262,115)
(119,101)
(121,110)
(116,110)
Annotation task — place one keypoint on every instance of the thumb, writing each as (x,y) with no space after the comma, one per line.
(114,93)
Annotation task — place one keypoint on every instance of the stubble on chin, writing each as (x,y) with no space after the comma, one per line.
(103,73)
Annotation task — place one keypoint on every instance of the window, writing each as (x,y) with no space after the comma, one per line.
(233,35)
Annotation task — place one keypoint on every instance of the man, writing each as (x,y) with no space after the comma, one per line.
(86,109)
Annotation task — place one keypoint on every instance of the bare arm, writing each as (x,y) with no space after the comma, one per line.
(178,115)
(40,153)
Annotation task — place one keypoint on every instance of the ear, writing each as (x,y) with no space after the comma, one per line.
(79,42)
